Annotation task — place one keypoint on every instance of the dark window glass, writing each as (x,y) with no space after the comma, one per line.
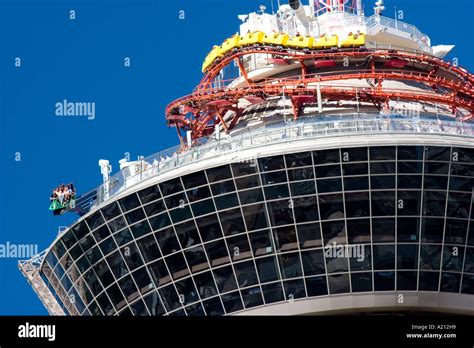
(434,153)
(384,281)
(360,257)
(86,243)
(460,184)
(143,280)
(406,280)
(117,265)
(149,194)
(383,230)
(131,256)
(358,231)
(116,296)
(105,304)
(407,256)
(128,288)
(107,246)
(280,212)
(356,183)
(361,282)
(338,283)
(408,229)
(469,262)
(450,282)
(432,230)
(244,168)
(382,153)
(285,238)
(382,168)
(205,285)
(159,272)
(232,222)
(226,201)
(436,168)
(331,206)
(218,173)
(80,230)
(383,203)
(246,274)
(167,240)
(69,239)
(223,187)
(195,179)
(255,218)
(463,155)
(187,291)
(176,201)
(316,286)
(453,258)
(467,284)
(328,171)
(276,191)
(326,156)
(248,182)
(129,202)
(213,306)
(435,182)
(83,264)
(171,186)
(409,181)
(155,208)
(169,297)
(313,262)
(209,227)
(336,260)
(382,182)
(410,153)
(329,185)
(196,258)
(273,293)
(94,255)
(135,215)
(123,237)
(95,220)
(101,233)
(225,279)
(459,204)
(410,202)
(117,224)
(355,169)
(302,188)
(261,242)
(428,281)
(59,249)
(455,232)
(306,209)
(384,256)
(232,302)
(94,284)
(197,194)
(309,235)
(203,207)
(357,204)
(462,169)
(111,211)
(301,174)
(187,234)
(239,247)
(267,269)
(334,232)
(294,289)
(252,297)
(153,304)
(434,203)
(271,163)
(274,177)
(251,196)
(177,265)
(354,154)
(410,167)
(290,265)
(217,253)
(149,248)
(430,256)
(301,159)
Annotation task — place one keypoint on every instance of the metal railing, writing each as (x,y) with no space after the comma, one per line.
(305,128)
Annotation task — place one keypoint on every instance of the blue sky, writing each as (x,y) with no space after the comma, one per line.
(82,60)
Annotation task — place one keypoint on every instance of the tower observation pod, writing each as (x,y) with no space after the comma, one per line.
(325,165)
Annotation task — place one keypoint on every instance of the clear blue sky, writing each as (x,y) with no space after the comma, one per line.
(82,60)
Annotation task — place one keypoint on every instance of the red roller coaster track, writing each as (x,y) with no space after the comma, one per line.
(207,105)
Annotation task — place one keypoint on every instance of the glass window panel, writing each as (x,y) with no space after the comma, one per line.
(462,169)
(187,234)
(355,154)
(105,304)
(313,262)
(294,289)
(196,258)
(226,201)
(382,182)
(361,282)
(209,227)
(334,232)
(358,231)
(203,207)
(140,229)
(244,168)
(428,281)
(290,265)
(329,185)
(248,182)
(95,220)
(384,256)
(80,230)
(155,208)
(328,171)
(383,230)
(469,261)
(171,186)
(430,256)
(177,265)
(176,201)
(261,242)
(436,168)
(271,163)
(246,273)
(410,167)
(360,257)
(232,302)
(239,247)
(357,204)
(280,212)
(455,232)
(117,224)
(274,177)
(464,154)
(94,284)
(123,237)
(101,233)
(219,173)
(285,238)
(301,174)
(107,246)
(223,187)
(408,229)
(187,291)
(129,202)
(217,253)
(276,191)
(131,256)
(69,239)
(409,202)
(336,258)
(432,230)
(154,305)
(213,306)
(316,286)
(159,272)
(406,280)
(382,153)
(273,292)
(450,282)
(410,153)
(459,205)
(355,169)
(300,159)
(251,196)
(461,184)
(338,283)
(149,248)
(331,206)
(149,194)
(382,168)
(409,181)
(225,279)
(356,183)
(384,281)
(111,211)
(169,297)
(435,182)
(197,194)
(383,203)
(302,188)
(434,203)
(86,243)
(326,156)
(309,235)
(143,280)
(232,222)
(195,179)
(94,255)
(305,209)
(467,284)
(205,285)
(180,214)
(436,153)
(167,241)
(407,256)
(255,217)
(453,257)
(267,269)
(117,264)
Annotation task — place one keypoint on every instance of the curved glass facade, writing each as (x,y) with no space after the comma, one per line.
(253,233)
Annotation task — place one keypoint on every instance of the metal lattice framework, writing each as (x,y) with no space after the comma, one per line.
(30,270)
(449,85)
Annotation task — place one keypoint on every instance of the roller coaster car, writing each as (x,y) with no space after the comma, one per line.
(353,40)
(253,38)
(326,42)
(60,209)
(301,42)
(276,39)
(229,44)
(211,57)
